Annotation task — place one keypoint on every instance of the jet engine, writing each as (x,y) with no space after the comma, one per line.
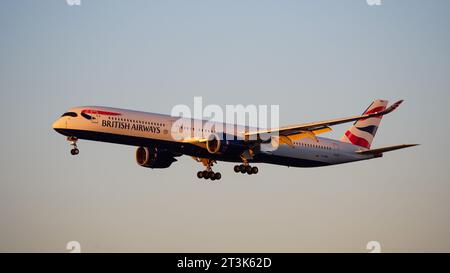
(214,143)
(220,143)
(153,158)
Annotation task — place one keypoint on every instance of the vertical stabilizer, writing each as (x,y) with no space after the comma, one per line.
(363,131)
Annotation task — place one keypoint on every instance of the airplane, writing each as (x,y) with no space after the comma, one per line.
(292,146)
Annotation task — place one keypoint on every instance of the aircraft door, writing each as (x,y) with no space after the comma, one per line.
(95,117)
(335,148)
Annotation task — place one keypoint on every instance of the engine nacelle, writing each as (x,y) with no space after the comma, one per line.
(220,143)
(213,144)
(152,158)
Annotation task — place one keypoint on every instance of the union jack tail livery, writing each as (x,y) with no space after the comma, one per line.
(363,131)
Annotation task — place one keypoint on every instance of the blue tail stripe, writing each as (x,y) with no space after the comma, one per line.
(372,129)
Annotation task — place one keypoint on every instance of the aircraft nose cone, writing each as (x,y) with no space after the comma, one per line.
(58,124)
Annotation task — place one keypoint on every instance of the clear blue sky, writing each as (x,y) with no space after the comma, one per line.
(316,59)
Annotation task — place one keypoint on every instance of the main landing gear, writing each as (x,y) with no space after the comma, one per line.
(73,143)
(245,168)
(208,173)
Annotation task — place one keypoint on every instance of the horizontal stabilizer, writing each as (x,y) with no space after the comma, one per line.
(385,149)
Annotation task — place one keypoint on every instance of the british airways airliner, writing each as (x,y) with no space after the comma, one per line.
(158,146)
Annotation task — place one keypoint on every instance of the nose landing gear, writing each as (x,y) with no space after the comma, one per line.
(73,143)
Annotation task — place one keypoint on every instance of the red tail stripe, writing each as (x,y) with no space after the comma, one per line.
(357,140)
(376,109)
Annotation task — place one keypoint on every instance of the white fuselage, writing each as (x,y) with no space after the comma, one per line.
(143,129)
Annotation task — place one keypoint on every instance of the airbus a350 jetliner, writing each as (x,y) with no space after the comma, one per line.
(295,145)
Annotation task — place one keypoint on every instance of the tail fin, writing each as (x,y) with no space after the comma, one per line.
(363,131)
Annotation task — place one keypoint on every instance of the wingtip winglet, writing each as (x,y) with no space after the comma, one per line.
(412,145)
(393,107)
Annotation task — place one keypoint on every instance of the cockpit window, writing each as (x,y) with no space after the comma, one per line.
(69,114)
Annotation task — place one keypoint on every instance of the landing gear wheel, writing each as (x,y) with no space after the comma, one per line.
(208,173)
(217,176)
(245,168)
(73,142)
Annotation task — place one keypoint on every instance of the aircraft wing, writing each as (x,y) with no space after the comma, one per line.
(294,132)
